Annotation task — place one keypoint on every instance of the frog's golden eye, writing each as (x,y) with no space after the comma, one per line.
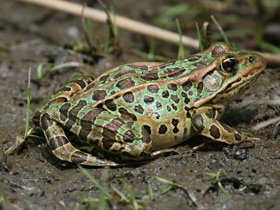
(229,64)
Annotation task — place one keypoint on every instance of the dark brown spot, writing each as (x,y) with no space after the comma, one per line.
(126,115)
(168,108)
(113,92)
(63,111)
(78,157)
(109,132)
(175,123)
(200,87)
(73,113)
(175,130)
(107,143)
(186,98)
(188,115)
(218,50)
(126,83)
(65,88)
(158,105)
(174,106)
(162,66)
(187,108)
(146,137)
(128,97)
(87,121)
(237,137)
(58,100)
(210,113)
(153,88)
(185,133)
(130,124)
(104,78)
(81,83)
(128,136)
(190,93)
(226,127)
(174,72)
(198,123)
(175,98)
(150,75)
(215,132)
(199,64)
(142,67)
(111,105)
(148,99)
(172,86)
(98,95)
(187,85)
(139,109)
(156,115)
(165,94)
(58,141)
(122,73)
(162,129)
(194,58)
(90,86)
(148,129)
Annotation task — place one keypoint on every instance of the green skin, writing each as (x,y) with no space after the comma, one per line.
(139,110)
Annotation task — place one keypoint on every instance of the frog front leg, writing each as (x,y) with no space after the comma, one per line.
(205,123)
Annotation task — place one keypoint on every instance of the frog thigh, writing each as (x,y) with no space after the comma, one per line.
(100,128)
(205,123)
(64,150)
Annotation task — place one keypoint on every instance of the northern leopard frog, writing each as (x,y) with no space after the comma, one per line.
(136,109)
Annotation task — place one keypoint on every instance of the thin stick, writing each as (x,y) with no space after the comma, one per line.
(131,25)
(122,22)
(265,123)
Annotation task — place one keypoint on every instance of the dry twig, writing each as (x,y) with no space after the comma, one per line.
(122,22)
(131,25)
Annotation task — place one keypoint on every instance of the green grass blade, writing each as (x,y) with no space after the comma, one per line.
(100,187)
(89,33)
(150,189)
(201,47)
(165,181)
(165,190)
(115,26)
(28,104)
(221,30)
(181,54)
(40,68)
(222,188)
(133,199)
(122,196)
(2,199)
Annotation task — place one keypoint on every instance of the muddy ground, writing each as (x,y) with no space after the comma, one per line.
(33,178)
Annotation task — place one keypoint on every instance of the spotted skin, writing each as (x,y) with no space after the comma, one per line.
(140,109)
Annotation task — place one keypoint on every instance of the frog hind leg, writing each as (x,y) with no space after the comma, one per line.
(96,126)
(205,123)
(64,150)
(115,134)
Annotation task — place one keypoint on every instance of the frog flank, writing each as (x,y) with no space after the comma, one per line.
(135,109)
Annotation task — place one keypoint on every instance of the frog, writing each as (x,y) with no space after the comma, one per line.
(140,109)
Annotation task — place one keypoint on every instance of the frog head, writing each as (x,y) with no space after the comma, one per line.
(229,73)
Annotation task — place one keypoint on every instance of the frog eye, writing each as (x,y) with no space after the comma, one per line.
(229,64)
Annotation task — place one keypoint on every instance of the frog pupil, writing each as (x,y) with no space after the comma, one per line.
(229,64)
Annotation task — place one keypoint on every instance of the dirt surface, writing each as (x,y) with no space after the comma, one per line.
(33,179)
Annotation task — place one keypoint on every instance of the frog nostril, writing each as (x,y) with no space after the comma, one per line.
(250,59)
